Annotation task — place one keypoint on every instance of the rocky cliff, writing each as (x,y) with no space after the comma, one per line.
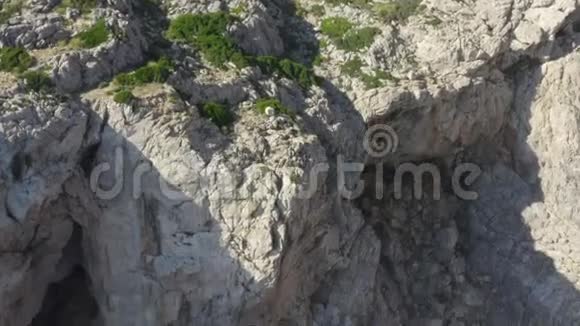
(214,162)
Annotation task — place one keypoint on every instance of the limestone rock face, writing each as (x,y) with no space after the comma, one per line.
(184,204)
(258,34)
(39,31)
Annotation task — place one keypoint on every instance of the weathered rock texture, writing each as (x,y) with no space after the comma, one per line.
(149,214)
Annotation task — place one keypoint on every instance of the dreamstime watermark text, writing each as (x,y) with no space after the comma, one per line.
(108,180)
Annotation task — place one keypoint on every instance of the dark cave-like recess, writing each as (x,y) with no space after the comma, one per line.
(68,302)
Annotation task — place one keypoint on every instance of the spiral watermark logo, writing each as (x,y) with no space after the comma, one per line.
(381,140)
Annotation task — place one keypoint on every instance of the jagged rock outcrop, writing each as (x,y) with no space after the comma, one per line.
(38,31)
(258,33)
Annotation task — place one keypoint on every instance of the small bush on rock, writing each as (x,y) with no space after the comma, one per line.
(356,3)
(207,33)
(37,81)
(10,9)
(398,10)
(345,36)
(15,59)
(218,49)
(318,10)
(358,39)
(335,27)
(287,68)
(189,26)
(154,72)
(264,103)
(217,113)
(352,68)
(92,37)
(124,96)
(84,6)
(298,72)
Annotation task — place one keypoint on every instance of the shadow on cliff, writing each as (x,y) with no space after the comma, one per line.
(144,242)
(499,246)
(525,287)
(520,284)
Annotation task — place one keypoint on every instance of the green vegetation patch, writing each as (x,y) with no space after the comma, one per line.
(124,96)
(91,37)
(153,72)
(398,10)
(217,113)
(394,10)
(345,36)
(37,81)
(318,10)
(287,68)
(335,27)
(318,60)
(15,59)
(358,39)
(84,6)
(10,9)
(376,79)
(207,33)
(356,3)
(190,26)
(264,103)
(353,68)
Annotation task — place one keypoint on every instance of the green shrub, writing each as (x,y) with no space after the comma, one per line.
(217,113)
(217,49)
(10,9)
(154,72)
(207,33)
(371,81)
(264,103)
(123,96)
(91,37)
(358,39)
(318,60)
(267,64)
(15,59)
(342,33)
(298,72)
(352,68)
(318,10)
(385,75)
(84,6)
(299,10)
(189,26)
(335,27)
(287,68)
(398,10)
(37,81)
(240,60)
(356,3)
